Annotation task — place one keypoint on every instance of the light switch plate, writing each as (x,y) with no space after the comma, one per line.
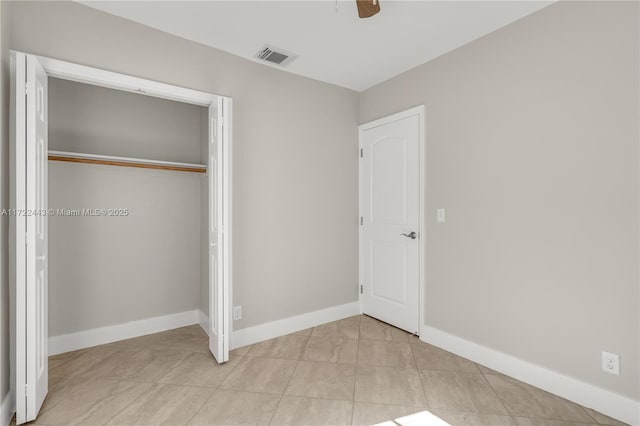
(441,216)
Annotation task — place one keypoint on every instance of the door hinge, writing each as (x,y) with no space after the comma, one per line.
(361,288)
(361,221)
(26,238)
(361,153)
(26,88)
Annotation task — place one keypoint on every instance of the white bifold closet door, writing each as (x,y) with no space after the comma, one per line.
(31,233)
(29,225)
(218,201)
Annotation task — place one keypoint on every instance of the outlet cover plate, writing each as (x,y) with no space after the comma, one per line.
(237,313)
(610,363)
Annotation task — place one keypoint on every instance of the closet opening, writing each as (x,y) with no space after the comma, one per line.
(122,192)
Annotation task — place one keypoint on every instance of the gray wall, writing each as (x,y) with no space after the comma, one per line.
(4,199)
(97,120)
(111,270)
(295,242)
(532,147)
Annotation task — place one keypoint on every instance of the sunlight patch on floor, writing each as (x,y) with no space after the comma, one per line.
(423,418)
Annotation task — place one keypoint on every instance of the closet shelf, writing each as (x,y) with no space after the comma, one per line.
(108,160)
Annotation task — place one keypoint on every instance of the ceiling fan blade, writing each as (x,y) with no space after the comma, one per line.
(368,8)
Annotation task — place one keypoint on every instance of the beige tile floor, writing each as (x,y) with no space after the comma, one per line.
(356,371)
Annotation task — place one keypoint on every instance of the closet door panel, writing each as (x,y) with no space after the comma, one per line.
(218,318)
(31,254)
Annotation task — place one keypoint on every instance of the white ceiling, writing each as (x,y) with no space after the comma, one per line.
(333,46)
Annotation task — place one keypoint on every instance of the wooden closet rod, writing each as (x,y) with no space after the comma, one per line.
(75,157)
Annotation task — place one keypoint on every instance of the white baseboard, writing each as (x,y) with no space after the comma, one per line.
(113,333)
(203,320)
(7,409)
(239,338)
(270,330)
(607,402)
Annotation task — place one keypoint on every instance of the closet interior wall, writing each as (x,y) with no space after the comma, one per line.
(111,270)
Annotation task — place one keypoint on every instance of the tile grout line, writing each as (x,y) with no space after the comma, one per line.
(424,393)
(155,385)
(563,422)
(195,412)
(592,417)
(215,389)
(240,359)
(495,393)
(84,385)
(64,382)
(178,364)
(540,390)
(497,396)
(292,395)
(291,376)
(355,373)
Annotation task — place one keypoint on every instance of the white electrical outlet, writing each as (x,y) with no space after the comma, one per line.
(441,215)
(237,313)
(610,363)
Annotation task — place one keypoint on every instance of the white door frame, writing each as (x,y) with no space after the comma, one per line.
(422,149)
(222,130)
(94,76)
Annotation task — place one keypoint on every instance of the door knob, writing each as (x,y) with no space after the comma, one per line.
(411,235)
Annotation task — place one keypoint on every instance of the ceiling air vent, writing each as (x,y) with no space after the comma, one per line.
(275,55)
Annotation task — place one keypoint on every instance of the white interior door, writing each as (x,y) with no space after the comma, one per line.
(390,231)
(218,281)
(31,252)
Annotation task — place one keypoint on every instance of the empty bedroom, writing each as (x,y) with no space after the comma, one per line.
(352,212)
